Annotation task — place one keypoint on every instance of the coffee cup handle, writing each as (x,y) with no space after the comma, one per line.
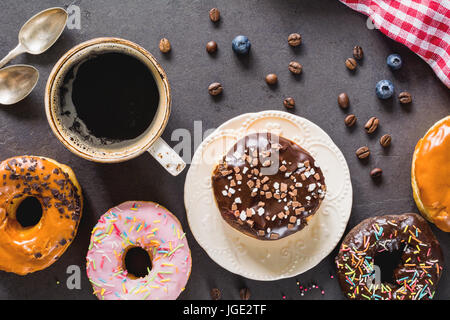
(167,157)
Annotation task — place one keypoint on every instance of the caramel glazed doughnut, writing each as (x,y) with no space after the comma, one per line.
(416,277)
(28,249)
(430,174)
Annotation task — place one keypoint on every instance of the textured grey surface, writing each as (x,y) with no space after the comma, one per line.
(329,29)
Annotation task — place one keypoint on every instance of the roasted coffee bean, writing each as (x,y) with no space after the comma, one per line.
(363,152)
(371,125)
(343,100)
(271,79)
(294,39)
(350,120)
(215,89)
(295,67)
(350,63)
(358,52)
(164,45)
(289,103)
(385,140)
(215,294)
(376,173)
(214,14)
(405,97)
(211,47)
(244,293)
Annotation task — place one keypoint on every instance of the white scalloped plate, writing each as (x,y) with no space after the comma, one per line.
(268,260)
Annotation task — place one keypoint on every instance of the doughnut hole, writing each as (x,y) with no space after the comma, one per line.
(137,261)
(388,261)
(29,212)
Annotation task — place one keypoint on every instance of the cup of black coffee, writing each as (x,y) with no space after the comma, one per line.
(108,100)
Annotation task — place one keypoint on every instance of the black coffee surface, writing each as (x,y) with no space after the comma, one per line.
(115,95)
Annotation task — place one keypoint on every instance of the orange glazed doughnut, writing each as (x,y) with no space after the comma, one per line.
(26,249)
(430,174)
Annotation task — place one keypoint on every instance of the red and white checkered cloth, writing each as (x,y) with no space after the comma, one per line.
(421,25)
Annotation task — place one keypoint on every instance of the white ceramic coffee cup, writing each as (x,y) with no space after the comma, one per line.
(113,152)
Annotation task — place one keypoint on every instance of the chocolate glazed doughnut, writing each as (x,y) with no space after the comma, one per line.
(267,186)
(415,278)
(29,248)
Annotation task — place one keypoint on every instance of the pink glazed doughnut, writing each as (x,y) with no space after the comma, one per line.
(138,224)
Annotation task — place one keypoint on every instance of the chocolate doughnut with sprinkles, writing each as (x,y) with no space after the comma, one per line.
(28,241)
(415,277)
(267,186)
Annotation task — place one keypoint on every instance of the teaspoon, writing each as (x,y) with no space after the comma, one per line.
(39,33)
(16,83)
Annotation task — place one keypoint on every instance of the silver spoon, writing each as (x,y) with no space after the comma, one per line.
(39,33)
(16,83)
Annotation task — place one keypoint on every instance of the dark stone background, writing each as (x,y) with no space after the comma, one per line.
(330,30)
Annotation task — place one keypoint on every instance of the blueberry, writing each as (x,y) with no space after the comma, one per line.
(384,89)
(241,45)
(394,61)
